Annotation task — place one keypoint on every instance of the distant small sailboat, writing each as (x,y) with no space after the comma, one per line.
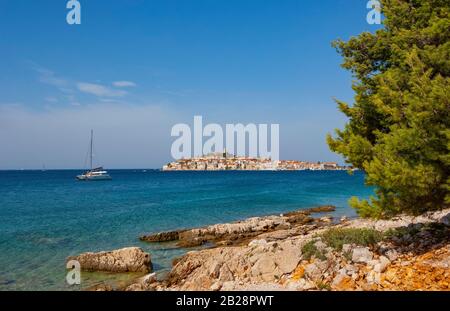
(94,174)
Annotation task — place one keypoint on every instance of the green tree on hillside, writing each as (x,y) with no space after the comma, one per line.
(399,125)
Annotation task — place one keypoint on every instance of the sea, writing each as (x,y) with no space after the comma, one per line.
(46,216)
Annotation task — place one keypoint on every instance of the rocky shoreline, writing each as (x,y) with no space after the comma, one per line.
(239,232)
(302,251)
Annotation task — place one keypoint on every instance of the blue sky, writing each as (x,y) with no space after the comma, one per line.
(134,68)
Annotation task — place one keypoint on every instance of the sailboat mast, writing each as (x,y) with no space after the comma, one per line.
(92,142)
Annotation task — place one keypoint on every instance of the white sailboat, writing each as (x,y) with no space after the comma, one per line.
(94,174)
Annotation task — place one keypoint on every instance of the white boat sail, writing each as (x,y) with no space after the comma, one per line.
(93,174)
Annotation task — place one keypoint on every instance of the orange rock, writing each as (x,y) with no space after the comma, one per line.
(298,273)
(344,283)
(427,256)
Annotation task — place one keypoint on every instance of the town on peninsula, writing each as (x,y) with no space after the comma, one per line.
(220,161)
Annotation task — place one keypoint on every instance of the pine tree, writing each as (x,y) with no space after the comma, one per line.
(399,125)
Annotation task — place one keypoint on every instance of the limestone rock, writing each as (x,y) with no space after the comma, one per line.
(136,287)
(100,288)
(343,282)
(131,259)
(373,277)
(326,219)
(273,257)
(161,237)
(149,279)
(287,257)
(256,243)
(265,268)
(315,270)
(382,264)
(227,233)
(391,254)
(225,274)
(305,285)
(361,255)
(300,285)
(216,286)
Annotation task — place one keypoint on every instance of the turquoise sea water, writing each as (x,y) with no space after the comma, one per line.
(47,216)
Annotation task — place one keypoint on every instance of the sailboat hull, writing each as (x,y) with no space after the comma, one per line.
(93,178)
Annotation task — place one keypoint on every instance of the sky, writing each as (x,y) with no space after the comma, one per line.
(134,68)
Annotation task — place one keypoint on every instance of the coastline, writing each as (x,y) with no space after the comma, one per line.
(295,251)
(108,216)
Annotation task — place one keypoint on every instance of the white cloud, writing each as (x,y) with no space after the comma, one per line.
(124,84)
(99,90)
(47,76)
(68,87)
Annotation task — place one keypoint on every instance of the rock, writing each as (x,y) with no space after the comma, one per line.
(265,268)
(260,242)
(298,217)
(240,231)
(405,263)
(372,263)
(262,246)
(100,288)
(214,271)
(287,257)
(225,274)
(306,285)
(194,242)
(391,254)
(327,219)
(382,265)
(137,287)
(373,277)
(149,279)
(343,282)
(351,269)
(131,259)
(145,283)
(314,271)
(300,285)
(321,209)
(161,237)
(361,255)
(228,286)
(216,286)
(273,258)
